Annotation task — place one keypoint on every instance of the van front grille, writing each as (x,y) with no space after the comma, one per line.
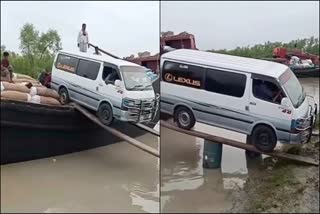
(143,110)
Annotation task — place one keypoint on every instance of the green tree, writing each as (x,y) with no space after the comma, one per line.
(309,45)
(3,48)
(38,50)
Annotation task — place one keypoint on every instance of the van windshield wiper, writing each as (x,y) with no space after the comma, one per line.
(136,86)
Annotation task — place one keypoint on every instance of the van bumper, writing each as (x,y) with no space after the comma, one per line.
(301,137)
(128,117)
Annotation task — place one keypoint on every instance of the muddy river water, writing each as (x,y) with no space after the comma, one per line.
(121,178)
(113,178)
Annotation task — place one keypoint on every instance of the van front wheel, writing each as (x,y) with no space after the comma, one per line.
(184,118)
(264,138)
(105,114)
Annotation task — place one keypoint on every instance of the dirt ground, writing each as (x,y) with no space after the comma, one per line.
(281,186)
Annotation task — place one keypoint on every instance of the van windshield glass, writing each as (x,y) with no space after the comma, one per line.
(135,78)
(293,88)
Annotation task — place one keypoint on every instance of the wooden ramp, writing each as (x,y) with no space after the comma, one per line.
(216,139)
(115,132)
(146,128)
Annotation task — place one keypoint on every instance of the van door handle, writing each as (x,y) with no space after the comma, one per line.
(100,84)
(252,103)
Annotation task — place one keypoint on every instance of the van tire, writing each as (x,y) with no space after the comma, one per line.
(264,138)
(64,96)
(105,114)
(184,118)
(251,154)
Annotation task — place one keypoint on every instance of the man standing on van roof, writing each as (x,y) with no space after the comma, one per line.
(83,39)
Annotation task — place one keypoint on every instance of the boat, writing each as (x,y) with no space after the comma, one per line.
(306,72)
(301,63)
(31,131)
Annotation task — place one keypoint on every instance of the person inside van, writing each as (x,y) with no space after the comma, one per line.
(262,91)
(267,91)
(111,77)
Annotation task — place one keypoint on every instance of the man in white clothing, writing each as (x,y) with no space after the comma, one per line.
(83,39)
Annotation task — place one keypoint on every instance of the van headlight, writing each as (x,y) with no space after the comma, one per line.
(127,103)
(301,124)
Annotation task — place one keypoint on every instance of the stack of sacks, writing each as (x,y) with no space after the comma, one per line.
(21,78)
(34,94)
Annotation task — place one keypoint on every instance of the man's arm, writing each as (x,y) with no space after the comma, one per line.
(88,40)
(78,40)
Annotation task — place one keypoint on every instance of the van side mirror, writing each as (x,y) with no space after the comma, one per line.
(118,83)
(285,102)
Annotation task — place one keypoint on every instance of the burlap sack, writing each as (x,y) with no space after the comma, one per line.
(25,80)
(23,76)
(49,101)
(15,95)
(38,85)
(15,87)
(46,92)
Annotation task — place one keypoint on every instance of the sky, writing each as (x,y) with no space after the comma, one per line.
(121,28)
(226,25)
(125,28)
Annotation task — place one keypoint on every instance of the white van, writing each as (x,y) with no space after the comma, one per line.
(259,98)
(112,87)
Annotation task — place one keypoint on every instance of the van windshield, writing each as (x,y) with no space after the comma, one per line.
(293,88)
(135,78)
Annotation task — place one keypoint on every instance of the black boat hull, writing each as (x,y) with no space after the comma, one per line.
(306,72)
(32,131)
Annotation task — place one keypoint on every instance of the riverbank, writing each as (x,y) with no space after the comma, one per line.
(281,186)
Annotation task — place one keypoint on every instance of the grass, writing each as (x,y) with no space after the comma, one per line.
(274,189)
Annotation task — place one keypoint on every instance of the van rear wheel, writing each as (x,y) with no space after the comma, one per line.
(184,118)
(64,96)
(264,138)
(105,114)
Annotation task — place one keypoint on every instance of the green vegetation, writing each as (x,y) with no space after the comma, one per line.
(274,190)
(309,45)
(37,50)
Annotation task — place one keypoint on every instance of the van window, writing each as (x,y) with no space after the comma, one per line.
(293,87)
(88,69)
(267,91)
(67,63)
(110,75)
(135,78)
(228,83)
(183,74)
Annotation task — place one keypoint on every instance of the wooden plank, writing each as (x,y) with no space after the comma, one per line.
(115,132)
(216,139)
(146,128)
